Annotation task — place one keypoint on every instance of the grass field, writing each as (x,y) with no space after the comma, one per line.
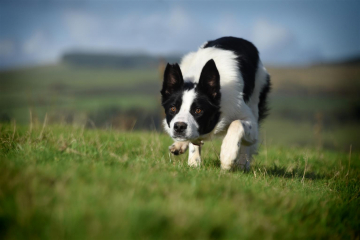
(310,106)
(63,182)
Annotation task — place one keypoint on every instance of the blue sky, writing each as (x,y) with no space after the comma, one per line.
(286,32)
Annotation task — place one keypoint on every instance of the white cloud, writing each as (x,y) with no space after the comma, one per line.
(35,43)
(228,25)
(269,36)
(266,35)
(7,47)
(180,20)
(40,48)
(83,28)
(172,31)
(276,43)
(279,45)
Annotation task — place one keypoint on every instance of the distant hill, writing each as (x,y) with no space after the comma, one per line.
(133,61)
(354,60)
(116,60)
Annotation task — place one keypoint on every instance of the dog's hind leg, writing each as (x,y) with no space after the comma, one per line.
(178,148)
(245,156)
(194,159)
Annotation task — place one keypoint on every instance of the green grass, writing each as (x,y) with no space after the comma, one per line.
(287,132)
(71,183)
(82,106)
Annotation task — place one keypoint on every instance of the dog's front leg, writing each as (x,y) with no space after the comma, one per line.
(194,159)
(239,132)
(178,148)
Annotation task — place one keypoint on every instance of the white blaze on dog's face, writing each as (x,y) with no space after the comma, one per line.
(191,109)
(183,123)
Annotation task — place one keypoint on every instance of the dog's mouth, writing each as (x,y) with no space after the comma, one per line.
(182,137)
(179,137)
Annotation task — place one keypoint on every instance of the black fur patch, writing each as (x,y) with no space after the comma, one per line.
(247,57)
(209,82)
(175,100)
(262,106)
(207,98)
(173,81)
(188,85)
(209,115)
(171,92)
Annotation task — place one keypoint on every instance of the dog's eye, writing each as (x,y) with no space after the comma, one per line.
(198,110)
(173,109)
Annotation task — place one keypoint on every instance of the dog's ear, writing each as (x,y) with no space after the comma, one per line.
(173,80)
(209,82)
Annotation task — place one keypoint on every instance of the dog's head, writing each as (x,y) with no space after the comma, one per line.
(192,109)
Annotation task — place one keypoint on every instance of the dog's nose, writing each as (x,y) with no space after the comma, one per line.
(180,127)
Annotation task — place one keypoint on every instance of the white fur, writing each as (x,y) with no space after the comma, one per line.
(179,147)
(194,159)
(230,148)
(185,116)
(241,138)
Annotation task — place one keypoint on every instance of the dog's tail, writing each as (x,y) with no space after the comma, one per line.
(263,106)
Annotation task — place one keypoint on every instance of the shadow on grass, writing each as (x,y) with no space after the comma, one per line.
(283,172)
(274,170)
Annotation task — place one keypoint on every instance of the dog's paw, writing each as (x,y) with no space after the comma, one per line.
(194,162)
(229,153)
(244,162)
(178,148)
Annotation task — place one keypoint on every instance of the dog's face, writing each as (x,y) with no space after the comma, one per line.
(192,110)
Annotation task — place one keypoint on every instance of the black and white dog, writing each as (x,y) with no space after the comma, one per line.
(221,87)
